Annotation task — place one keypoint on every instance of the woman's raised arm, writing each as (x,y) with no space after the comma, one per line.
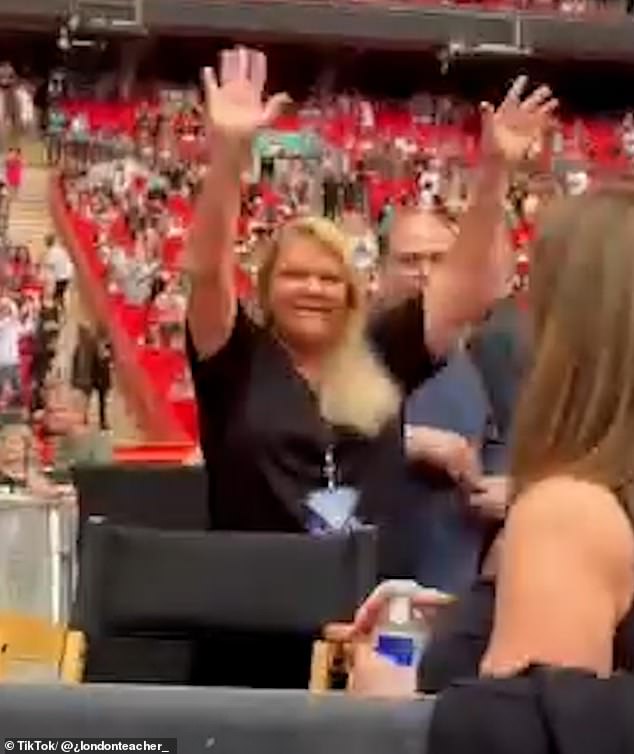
(235,110)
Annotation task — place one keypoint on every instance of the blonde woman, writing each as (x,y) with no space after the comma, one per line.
(300,418)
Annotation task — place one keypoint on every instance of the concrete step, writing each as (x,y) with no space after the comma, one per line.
(29,218)
(29,223)
(124,429)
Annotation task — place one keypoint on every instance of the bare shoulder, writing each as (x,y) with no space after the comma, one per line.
(564,500)
(573,505)
(576,512)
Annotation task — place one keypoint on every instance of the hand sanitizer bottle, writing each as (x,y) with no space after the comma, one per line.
(401,635)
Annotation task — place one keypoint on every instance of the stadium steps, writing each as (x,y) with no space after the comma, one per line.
(29,223)
(124,430)
(29,217)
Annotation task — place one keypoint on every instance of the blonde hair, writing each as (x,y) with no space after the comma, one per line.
(576,413)
(355,390)
(16,443)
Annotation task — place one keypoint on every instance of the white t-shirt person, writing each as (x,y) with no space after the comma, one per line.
(429,187)
(366,116)
(10,329)
(58,261)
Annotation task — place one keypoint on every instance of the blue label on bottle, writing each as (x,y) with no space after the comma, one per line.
(402,650)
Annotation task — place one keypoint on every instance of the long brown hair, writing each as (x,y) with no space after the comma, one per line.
(576,413)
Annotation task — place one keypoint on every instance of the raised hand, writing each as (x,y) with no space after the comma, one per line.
(510,131)
(427,602)
(236,107)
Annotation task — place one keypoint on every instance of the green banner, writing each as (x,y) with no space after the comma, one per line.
(298,143)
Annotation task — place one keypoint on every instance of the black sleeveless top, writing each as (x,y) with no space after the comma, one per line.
(462,635)
(462,632)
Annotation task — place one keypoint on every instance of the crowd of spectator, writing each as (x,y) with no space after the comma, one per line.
(129,178)
(44,406)
(131,173)
(546,7)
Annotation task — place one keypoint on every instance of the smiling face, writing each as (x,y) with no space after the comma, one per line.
(309,294)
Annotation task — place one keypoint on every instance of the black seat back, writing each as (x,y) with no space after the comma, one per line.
(158,496)
(227,587)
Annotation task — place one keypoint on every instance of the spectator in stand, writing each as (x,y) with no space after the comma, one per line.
(559,621)
(332,191)
(10,330)
(45,342)
(5,202)
(135,275)
(448,427)
(13,171)
(20,467)
(429,182)
(79,138)
(21,268)
(146,125)
(17,113)
(332,457)
(627,136)
(384,224)
(58,262)
(91,371)
(169,309)
(55,130)
(577,180)
(29,312)
(74,441)
(13,438)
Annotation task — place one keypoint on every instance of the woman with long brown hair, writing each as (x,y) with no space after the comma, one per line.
(300,418)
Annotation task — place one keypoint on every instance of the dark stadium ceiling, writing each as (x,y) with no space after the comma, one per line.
(365,25)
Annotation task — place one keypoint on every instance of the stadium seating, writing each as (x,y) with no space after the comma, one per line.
(256,602)
(594,143)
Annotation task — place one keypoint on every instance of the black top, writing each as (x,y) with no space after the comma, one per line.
(462,633)
(264,441)
(48,330)
(544,710)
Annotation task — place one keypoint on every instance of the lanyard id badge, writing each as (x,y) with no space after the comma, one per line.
(332,508)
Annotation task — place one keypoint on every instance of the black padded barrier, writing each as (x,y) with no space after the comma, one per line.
(217,721)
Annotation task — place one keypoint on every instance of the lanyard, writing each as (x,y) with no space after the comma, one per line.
(330,468)
(332,506)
